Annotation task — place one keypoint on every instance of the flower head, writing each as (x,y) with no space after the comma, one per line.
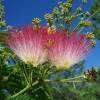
(68,50)
(27,43)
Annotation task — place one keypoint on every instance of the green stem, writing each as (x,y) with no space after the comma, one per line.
(73,78)
(74,86)
(62,81)
(24,90)
(47,91)
(94,13)
(66,80)
(25,78)
(25,74)
(81,29)
(71,81)
(79,14)
(30,74)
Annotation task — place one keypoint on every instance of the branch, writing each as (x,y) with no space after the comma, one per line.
(66,80)
(86,20)
(24,90)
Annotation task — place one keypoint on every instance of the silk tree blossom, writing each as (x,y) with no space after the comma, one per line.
(35,45)
(68,50)
(27,43)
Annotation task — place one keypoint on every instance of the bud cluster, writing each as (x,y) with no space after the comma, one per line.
(2,16)
(91,36)
(90,74)
(63,16)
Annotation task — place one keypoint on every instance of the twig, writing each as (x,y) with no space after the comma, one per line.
(86,20)
(66,80)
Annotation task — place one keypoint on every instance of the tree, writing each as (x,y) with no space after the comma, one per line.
(45,82)
(96,18)
(2,16)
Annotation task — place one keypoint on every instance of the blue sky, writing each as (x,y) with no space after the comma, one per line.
(21,12)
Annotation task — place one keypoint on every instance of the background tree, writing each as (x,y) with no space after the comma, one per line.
(96,18)
(2,16)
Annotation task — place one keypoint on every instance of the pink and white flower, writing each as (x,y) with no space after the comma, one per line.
(27,43)
(68,50)
(35,46)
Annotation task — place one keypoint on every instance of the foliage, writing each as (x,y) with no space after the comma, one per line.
(96,18)
(2,15)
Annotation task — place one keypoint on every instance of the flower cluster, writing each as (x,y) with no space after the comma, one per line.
(37,45)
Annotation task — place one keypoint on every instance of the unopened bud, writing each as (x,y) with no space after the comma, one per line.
(2,24)
(84,1)
(36,21)
(55,11)
(85,23)
(71,1)
(48,16)
(90,36)
(79,9)
(87,13)
(93,43)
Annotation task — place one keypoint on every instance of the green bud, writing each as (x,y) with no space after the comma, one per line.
(79,10)
(64,11)
(48,16)
(93,43)
(36,21)
(69,18)
(55,11)
(90,36)
(2,24)
(67,5)
(84,1)
(85,23)
(61,25)
(72,16)
(87,13)
(71,1)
